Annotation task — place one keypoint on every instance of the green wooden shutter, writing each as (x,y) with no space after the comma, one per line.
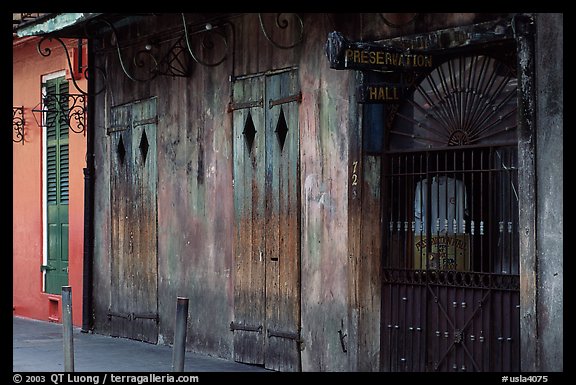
(57,184)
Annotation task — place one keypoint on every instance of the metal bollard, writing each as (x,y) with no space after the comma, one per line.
(67,335)
(179,350)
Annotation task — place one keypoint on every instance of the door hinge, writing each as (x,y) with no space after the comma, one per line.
(288,335)
(295,336)
(47,268)
(242,105)
(132,316)
(292,98)
(247,328)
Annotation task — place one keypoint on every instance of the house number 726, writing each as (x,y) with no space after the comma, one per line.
(355,173)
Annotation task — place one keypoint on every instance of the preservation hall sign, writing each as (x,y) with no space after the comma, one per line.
(395,64)
(380,93)
(385,59)
(344,54)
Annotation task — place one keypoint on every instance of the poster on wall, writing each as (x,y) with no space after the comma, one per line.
(442,252)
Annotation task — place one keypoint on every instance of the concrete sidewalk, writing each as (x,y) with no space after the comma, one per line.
(38,347)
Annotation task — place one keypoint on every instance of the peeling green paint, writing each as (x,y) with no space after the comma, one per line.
(56,22)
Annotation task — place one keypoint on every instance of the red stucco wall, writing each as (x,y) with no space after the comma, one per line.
(28,297)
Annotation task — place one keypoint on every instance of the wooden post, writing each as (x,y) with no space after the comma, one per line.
(524,27)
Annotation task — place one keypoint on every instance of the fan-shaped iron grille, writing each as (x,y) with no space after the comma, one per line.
(466,100)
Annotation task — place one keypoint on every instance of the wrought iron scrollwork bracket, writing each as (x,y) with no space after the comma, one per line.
(282,23)
(206,43)
(47,51)
(18,124)
(138,57)
(71,108)
(147,63)
(174,61)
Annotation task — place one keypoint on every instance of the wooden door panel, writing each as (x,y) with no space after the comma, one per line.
(121,168)
(249,219)
(266,322)
(133,182)
(283,231)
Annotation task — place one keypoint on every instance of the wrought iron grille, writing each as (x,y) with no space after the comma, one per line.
(450,277)
(450,287)
(467,100)
(18,124)
(453,210)
(70,110)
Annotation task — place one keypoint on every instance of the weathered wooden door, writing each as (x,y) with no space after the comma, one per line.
(133,180)
(266,321)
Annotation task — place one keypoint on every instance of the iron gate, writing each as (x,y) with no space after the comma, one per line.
(450,289)
(450,282)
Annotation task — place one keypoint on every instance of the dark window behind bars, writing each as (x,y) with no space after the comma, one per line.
(452,177)
(453,210)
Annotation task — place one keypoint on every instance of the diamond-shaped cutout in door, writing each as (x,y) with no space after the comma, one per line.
(121,151)
(249,132)
(144,146)
(281,130)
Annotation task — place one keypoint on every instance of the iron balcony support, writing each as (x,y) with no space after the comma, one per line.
(47,51)
(148,61)
(71,109)
(18,124)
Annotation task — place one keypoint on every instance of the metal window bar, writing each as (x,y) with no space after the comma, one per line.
(487,213)
(488,177)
